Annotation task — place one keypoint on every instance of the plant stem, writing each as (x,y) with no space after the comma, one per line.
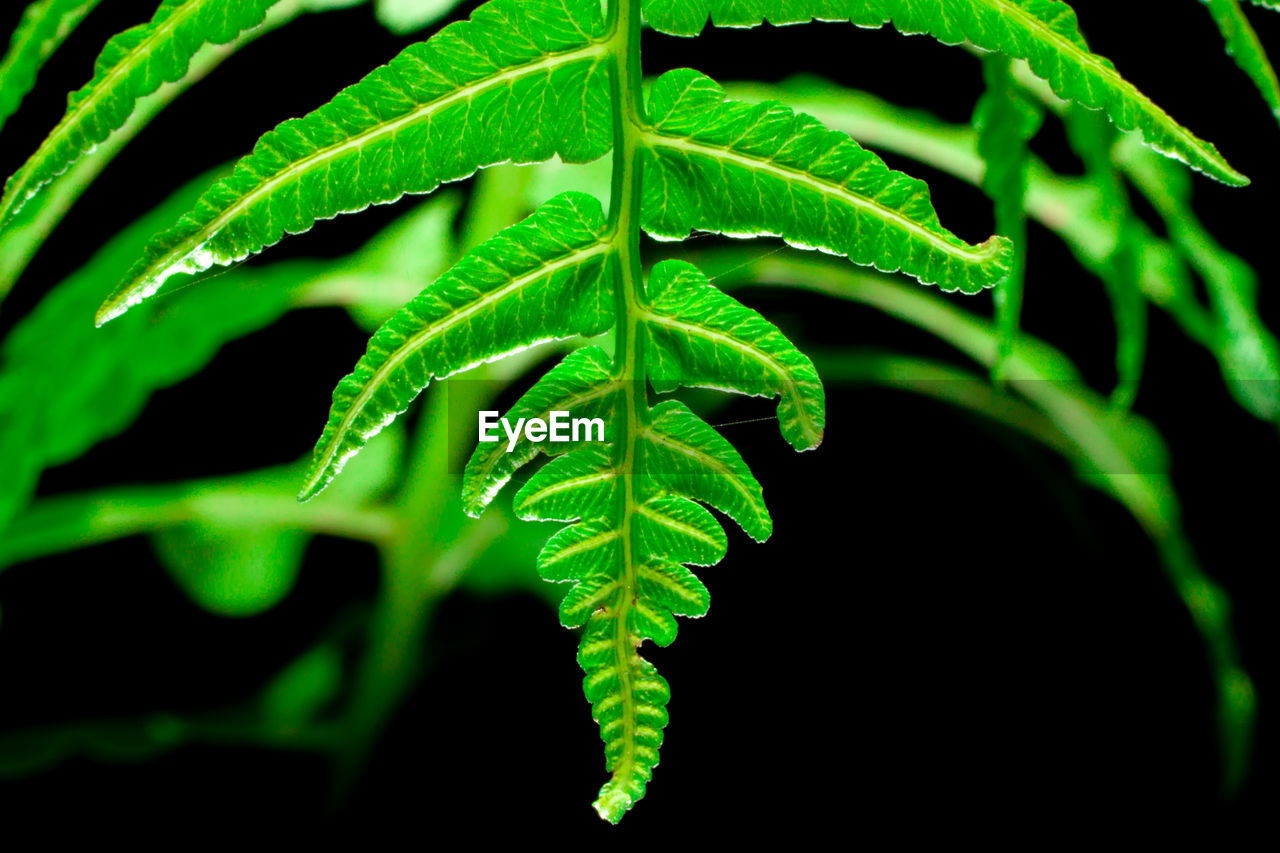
(624,222)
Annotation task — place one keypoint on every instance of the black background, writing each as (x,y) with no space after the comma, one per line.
(945,629)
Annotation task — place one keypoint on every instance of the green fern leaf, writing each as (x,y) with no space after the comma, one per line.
(701,337)
(582,383)
(637,499)
(742,169)
(526,80)
(44,26)
(686,457)
(1043,32)
(521,80)
(1246,49)
(132,65)
(545,278)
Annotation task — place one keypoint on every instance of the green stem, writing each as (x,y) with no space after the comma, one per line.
(624,222)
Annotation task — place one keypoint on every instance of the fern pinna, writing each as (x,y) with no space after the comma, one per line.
(526,80)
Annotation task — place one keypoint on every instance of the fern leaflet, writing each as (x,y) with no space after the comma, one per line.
(1042,32)
(132,65)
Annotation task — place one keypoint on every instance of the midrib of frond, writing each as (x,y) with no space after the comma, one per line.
(939,240)
(73,115)
(624,221)
(792,389)
(432,330)
(507,77)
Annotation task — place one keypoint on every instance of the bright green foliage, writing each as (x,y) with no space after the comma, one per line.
(583,383)
(132,65)
(23,236)
(44,26)
(636,498)
(1248,353)
(1006,120)
(1094,221)
(1243,45)
(1092,138)
(743,169)
(1043,32)
(526,80)
(91,387)
(546,278)
(521,80)
(699,337)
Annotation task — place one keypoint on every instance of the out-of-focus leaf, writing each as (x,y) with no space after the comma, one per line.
(1248,353)
(1006,120)
(406,16)
(1246,49)
(44,26)
(302,689)
(132,65)
(22,238)
(1116,452)
(232,571)
(66,386)
(1092,139)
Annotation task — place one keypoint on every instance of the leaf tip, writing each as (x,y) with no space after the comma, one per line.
(612,804)
(314,485)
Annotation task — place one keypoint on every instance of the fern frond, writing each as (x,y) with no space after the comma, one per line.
(521,80)
(746,170)
(637,499)
(1246,49)
(545,278)
(44,26)
(132,65)
(1045,33)
(527,80)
